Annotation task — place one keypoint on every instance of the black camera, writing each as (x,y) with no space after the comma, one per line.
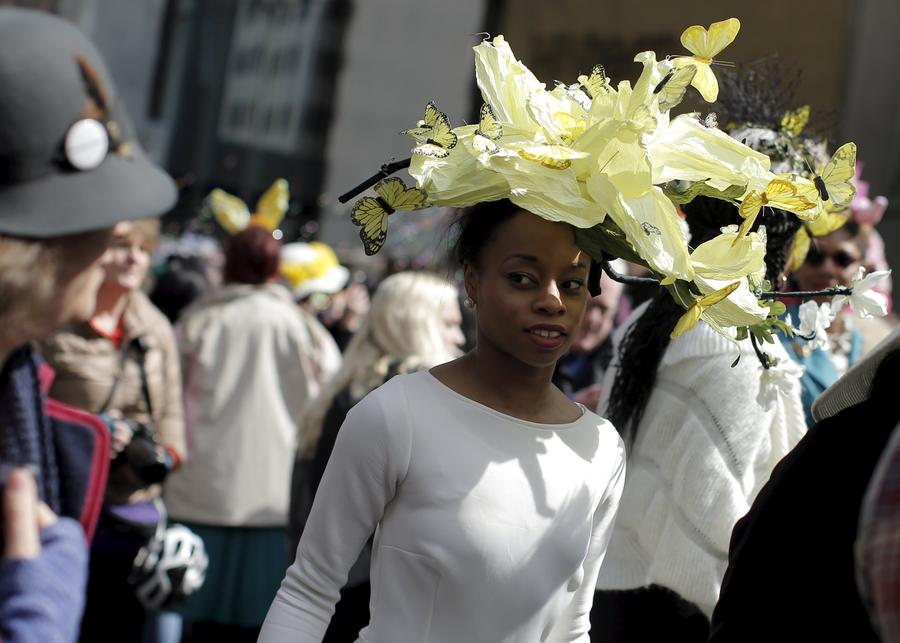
(144,455)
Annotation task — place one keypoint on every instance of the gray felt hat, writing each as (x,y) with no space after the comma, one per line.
(69,161)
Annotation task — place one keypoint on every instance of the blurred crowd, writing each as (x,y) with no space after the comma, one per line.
(219,370)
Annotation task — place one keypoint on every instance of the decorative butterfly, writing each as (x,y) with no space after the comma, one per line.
(795,120)
(705,46)
(779,193)
(577,94)
(439,139)
(649,229)
(595,84)
(233,215)
(672,87)
(423,128)
(489,130)
(835,183)
(371,213)
(689,319)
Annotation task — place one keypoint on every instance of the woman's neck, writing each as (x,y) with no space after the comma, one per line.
(508,386)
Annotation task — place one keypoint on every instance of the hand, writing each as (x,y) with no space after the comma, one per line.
(122,432)
(23,517)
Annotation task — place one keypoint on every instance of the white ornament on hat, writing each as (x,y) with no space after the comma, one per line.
(86,144)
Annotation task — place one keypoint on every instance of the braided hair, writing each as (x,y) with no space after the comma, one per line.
(645,342)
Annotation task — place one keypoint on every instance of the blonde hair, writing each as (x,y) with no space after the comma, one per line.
(402,331)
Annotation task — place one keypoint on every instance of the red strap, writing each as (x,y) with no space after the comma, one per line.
(96,487)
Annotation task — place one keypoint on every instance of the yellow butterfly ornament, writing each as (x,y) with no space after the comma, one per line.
(233,215)
(371,213)
(423,128)
(434,135)
(672,87)
(795,120)
(705,45)
(836,182)
(595,84)
(779,193)
(489,130)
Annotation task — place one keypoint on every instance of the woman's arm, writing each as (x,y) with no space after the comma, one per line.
(369,460)
(575,624)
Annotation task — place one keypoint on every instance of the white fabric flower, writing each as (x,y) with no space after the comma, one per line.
(867,303)
(778,380)
(814,323)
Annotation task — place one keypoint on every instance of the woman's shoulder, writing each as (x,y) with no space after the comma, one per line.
(400,387)
(71,342)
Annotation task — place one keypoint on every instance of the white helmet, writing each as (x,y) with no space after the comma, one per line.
(169,568)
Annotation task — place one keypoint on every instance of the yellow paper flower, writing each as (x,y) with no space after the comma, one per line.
(458,180)
(687,150)
(505,83)
(585,151)
(728,257)
(651,224)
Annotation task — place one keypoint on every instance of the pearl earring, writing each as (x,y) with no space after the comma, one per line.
(469,302)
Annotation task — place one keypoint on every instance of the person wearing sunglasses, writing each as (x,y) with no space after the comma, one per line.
(832,260)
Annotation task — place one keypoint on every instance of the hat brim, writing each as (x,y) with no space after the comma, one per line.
(330,283)
(63,203)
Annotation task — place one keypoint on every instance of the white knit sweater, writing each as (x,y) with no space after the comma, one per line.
(704,448)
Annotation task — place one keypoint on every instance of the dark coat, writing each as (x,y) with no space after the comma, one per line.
(791,572)
(68,448)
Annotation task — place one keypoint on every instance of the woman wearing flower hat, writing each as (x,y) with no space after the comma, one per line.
(71,169)
(492,493)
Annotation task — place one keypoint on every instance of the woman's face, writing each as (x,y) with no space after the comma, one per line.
(832,261)
(80,276)
(598,320)
(530,288)
(127,260)
(451,326)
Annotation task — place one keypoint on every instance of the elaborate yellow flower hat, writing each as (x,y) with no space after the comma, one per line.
(611,160)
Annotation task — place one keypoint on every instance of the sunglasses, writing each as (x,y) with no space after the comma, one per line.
(842,258)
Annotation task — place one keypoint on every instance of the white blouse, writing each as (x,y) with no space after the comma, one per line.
(489,528)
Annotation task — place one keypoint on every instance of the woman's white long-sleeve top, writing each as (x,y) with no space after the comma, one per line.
(490,528)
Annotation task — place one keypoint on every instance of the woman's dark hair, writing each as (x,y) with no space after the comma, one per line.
(476,225)
(182,281)
(646,341)
(252,256)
